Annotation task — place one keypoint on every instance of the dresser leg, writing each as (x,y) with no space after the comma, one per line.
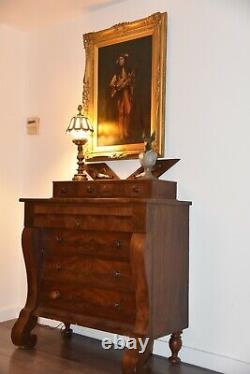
(175,344)
(67,331)
(133,360)
(21,332)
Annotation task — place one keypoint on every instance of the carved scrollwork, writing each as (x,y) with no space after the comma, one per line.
(87,40)
(120,26)
(153,19)
(85,95)
(156,17)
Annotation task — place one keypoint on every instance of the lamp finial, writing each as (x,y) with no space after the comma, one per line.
(79,109)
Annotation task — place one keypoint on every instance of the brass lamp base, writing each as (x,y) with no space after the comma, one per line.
(81,175)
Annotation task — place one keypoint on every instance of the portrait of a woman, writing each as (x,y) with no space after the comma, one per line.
(122,92)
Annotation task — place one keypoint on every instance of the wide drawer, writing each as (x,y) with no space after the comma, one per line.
(80,222)
(144,188)
(88,272)
(98,244)
(109,304)
(85,214)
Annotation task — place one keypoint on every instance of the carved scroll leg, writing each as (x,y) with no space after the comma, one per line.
(134,359)
(67,331)
(175,344)
(21,332)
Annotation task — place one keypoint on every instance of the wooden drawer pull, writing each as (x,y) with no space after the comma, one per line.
(118,243)
(77,223)
(116,274)
(58,267)
(59,239)
(54,295)
(135,188)
(63,190)
(90,189)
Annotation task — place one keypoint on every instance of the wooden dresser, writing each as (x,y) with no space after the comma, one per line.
(109,255)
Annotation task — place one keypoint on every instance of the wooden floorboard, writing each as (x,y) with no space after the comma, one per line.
(55,355)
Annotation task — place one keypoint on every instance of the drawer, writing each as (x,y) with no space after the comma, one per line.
(86,222)
(88,272)
(98,244)
(140,188)
(103,215)
(108,304)
(102,189)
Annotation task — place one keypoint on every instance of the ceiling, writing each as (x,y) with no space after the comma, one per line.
(31,14)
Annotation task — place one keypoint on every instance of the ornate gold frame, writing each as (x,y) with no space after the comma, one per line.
(155,25)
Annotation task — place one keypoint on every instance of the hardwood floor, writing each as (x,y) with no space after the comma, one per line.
(55,355)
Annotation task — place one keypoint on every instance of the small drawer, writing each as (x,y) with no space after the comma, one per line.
(102,189)
(139,188)
(97,244)
(84,189)
(136,189)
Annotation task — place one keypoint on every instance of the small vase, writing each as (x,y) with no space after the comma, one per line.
(148,160)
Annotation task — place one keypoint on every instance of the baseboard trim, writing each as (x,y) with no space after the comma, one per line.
(193,356)
(204,359)
(9,312)
(214,361)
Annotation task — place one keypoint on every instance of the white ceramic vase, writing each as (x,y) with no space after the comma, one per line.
(148,160)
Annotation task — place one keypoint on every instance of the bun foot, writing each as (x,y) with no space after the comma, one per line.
(67,332)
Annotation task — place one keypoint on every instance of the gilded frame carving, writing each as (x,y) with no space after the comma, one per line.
(155,26)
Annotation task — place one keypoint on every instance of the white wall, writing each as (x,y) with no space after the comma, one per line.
(13,55)
(208,117)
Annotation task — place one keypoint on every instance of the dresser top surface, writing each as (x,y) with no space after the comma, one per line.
(148,181)
(75,200)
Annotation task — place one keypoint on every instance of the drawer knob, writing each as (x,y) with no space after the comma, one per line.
(116,274)
(54,295)
(77,223)
(106,188)
(118,243)
(58,267)
(116,306)
(135,188)
(59,238)
(90,189)
(63,190)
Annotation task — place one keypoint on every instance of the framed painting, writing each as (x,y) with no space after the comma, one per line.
(124,87)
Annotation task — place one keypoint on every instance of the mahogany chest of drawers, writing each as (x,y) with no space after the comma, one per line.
(109,255)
